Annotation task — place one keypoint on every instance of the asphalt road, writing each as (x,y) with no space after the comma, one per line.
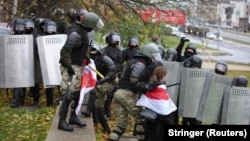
(238,53)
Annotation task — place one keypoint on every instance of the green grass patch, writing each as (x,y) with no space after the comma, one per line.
(24,125)
(237,41)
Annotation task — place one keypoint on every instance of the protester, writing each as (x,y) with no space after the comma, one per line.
(157,99)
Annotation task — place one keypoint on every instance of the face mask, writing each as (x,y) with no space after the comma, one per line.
(219,72)
(93,55)
(131,46)
(113,45)
(188,54)
(28,31)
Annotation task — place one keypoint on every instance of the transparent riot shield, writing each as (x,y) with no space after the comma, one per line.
(192,83)
(16,61)
(236,106)
(210,108)
(49,54)
(173,79)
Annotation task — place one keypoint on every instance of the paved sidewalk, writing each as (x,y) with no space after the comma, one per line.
(79,134)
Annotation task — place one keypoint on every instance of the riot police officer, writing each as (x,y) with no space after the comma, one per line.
(113,50)
(18,95)
(170,55)
(59,20)
(221,68)
(71,15)
(132,49)
(71,61)
(157,40)
(131,84)
(241,81)
(190,50)
(106,67)
(195,62)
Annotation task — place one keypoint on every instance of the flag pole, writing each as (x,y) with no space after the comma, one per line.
(97,72)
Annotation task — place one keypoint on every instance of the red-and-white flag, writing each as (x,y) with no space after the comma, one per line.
(157,100)
(89,79)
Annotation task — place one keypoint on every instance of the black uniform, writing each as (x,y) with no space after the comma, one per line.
(113,51)
(195,62)
(106,67)
(131,50)
(185,59)
(18,95)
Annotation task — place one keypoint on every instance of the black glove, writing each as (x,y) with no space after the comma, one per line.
(183,40)
(71,71)
(140,87)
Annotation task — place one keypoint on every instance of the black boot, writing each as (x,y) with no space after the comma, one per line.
(100,114)
(90,104)
(23,94)
(16,98)
(75,120)
(107,105)
(49,97)
(63,125)
(73,117)
(36,94)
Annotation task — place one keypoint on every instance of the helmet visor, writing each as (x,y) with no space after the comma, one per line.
(133,42)
(51,28)
(221,68)
(156,56)
(99,24)
(29,24)
(115,38)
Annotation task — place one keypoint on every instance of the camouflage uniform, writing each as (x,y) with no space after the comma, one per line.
(135,74)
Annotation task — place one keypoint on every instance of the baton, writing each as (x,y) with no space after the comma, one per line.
(173,84)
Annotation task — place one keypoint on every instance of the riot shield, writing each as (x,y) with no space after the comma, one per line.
(173,78)
(192,83)
(16,61)
(236,106)
(49,54)
(210,107)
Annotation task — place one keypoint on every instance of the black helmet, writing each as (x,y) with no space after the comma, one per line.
(133,42)
(221,68)
(29,26)
(42,23)
(49,27)
(241,81)
(170,55)
(19,26)
(113,38)
(190,50)
(59,12)
(196,61)
(71,14)
(80,13)
(95,50)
